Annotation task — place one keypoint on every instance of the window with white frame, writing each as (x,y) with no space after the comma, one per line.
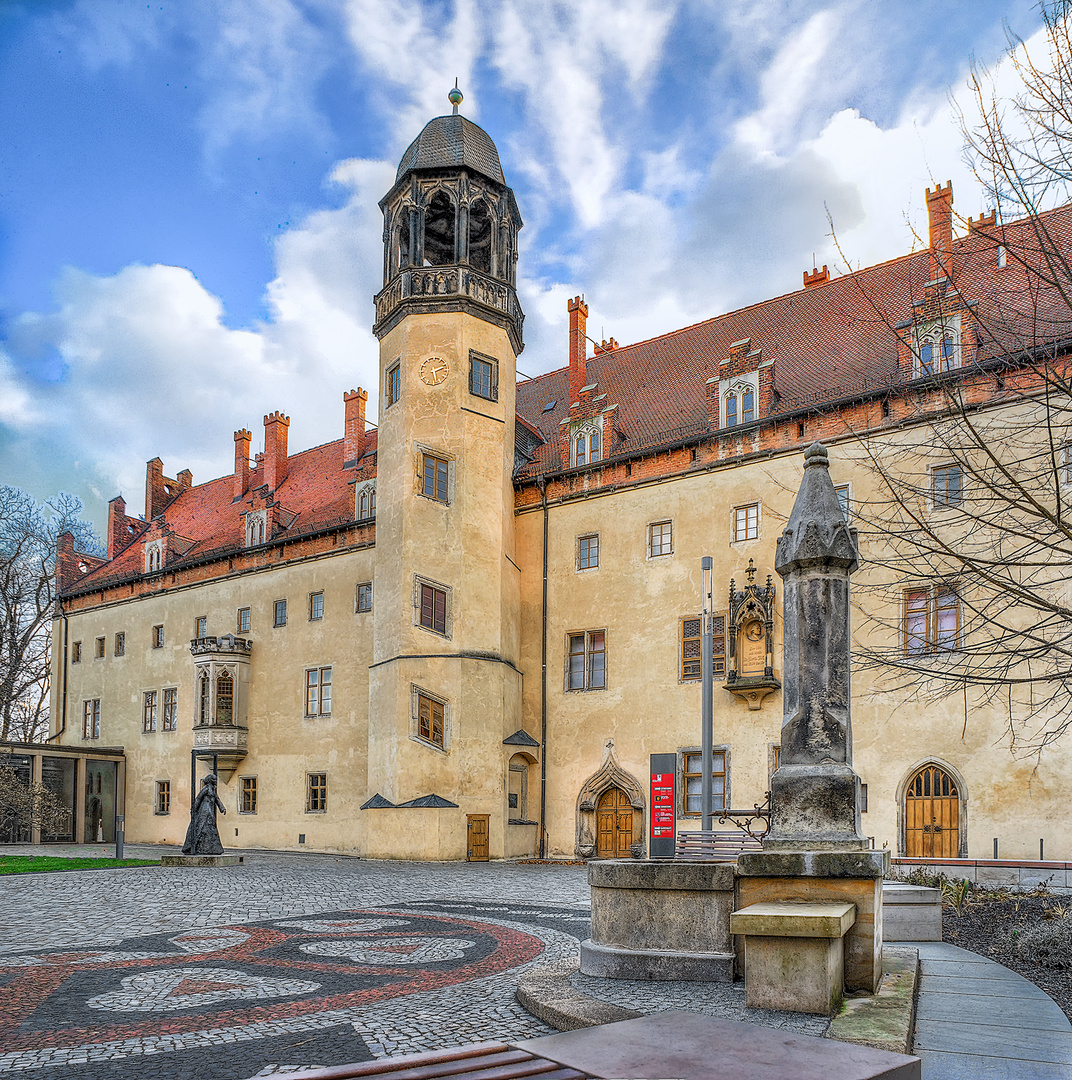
(154,556)
(746,522)
(256,527)
(366,502)
(938,347)
(660,539)
(586,445)
(739,404)
(586,660)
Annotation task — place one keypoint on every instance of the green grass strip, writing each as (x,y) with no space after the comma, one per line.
(36,864)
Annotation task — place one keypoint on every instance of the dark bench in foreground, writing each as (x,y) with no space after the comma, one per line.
(668,1044)
(714,846)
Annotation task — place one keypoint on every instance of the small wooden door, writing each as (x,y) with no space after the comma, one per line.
(614,825)
(476,827)
(932,815)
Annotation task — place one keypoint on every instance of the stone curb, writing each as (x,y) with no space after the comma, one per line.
(545,991)
(884,1020)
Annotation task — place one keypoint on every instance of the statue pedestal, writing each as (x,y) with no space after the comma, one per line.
(808,877)
(201,860)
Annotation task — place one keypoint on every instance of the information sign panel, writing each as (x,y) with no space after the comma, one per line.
(661,838)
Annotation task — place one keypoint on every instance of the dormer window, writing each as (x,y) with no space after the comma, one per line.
(938,348)
(154,556)
(587,446)
(366,502)
(739,403)
(256,527)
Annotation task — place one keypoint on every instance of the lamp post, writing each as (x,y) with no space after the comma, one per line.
(707,691)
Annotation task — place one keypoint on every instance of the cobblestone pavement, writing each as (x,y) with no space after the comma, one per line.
(287,961)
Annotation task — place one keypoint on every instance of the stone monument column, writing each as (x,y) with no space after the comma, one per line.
(815,795)
(814,852)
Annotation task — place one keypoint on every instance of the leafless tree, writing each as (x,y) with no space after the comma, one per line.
(25,804)
(28,534)
(970,534)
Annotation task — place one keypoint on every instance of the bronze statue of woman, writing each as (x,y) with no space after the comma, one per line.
(202,837)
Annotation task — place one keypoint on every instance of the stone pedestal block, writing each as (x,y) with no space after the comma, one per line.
(815,808)
(794,956)
(201,860)
(853,877)
(654,920)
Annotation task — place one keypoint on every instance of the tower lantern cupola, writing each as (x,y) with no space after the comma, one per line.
(450,228)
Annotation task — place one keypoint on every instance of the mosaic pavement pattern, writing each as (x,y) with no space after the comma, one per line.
(246,1000)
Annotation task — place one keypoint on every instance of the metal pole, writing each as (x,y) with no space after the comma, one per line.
(706,690)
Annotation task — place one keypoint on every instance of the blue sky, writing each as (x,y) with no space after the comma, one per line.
(189,235)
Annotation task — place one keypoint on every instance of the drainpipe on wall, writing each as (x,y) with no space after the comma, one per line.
(63,696)
(543,684)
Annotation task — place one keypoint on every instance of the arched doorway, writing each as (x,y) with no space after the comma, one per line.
(932,815)
(614,825)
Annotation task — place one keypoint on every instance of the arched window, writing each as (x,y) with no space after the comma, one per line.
(926,358)
(748,406)
(372,502)
(581,450)
(203,695)
(731,409)
(439,231)
(224,698)
(593,447)
(362,510)
(402,241)
(480,233)
(947,353)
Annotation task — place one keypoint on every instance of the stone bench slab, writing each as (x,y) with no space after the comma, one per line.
(794,920)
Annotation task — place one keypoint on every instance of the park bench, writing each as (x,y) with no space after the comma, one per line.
(714,846)
(478,1061)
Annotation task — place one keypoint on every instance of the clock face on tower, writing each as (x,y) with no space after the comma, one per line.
(434,370)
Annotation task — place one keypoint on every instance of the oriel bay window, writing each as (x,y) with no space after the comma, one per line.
(318,691)
(587,661)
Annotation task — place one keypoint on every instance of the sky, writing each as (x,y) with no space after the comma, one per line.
(189,229)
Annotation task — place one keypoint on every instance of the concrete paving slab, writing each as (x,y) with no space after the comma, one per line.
(967,968)
(953,984)
(986,1040)
(945,1066)
(973,1008)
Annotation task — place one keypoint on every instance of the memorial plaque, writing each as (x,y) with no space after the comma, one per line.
(663,828)
(752,645)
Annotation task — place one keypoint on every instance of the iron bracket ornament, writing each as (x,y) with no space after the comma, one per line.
(745,820)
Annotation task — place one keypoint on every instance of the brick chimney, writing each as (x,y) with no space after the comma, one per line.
(275,449)
(117,526)
(711,393)
(353,443)
(815,277)
(940,220)
(242,439)
(578,347)
(160,490)
(65,571)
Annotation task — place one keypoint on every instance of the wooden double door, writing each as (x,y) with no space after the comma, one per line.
(932,815)
(614,825)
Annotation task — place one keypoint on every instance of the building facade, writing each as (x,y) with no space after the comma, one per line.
(462,634)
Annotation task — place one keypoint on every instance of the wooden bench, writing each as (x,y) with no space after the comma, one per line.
(714,846)
(478,1061)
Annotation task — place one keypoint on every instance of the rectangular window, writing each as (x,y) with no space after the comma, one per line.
(316,606)
(746,522)
(158,637)
(483,377)
(430,720)
(660,538)
(280,618)
(91,719)
(394,384)
(588,552)
(931,620)
(244,620)
(120,644)
(248,805)
(844,500)
(587,665)
(316,793)
(364,597)
(171,709)
(435,472)
(433,614)
(98,649)
(163,797)
(691,646)
(947,485)
(692,770)
(76,653)
(148,711)
(318,692)
(201,626)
